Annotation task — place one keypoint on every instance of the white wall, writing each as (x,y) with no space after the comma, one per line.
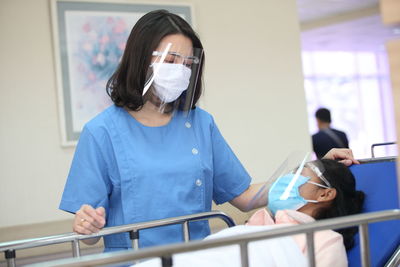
(253,87)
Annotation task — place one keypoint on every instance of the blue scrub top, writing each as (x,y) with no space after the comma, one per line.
(140,173)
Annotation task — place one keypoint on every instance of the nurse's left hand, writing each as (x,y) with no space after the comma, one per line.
(344,155)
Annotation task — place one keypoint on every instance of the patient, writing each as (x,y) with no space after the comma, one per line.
(331,195)
(324,189)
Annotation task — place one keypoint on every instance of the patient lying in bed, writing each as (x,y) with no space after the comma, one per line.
(327,194)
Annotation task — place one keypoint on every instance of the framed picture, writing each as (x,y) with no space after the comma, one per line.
(89,39)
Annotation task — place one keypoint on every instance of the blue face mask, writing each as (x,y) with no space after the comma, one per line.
(294,201)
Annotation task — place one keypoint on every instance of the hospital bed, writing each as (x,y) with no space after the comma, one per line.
(377,241)
(10,248)
(165,252)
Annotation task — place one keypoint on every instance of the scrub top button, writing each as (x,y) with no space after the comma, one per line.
(198,182)
(195,151)
(187,124)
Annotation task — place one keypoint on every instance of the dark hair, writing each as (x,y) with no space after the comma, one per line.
(347,201)
(323,114)
(126,85)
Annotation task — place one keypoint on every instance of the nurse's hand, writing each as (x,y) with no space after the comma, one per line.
(89,220)
(344,155)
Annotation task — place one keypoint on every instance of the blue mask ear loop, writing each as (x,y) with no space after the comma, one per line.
(286,193)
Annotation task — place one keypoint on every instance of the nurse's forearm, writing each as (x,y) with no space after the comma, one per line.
(245,202)
(91,241)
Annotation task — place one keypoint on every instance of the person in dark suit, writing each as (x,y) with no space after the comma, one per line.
(327,138)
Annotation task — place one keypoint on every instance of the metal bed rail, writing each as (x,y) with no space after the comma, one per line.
(380,144)
(166,252)
(9,248)
(394,260)
(377,160)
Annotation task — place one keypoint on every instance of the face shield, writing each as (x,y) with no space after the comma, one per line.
(172,78)
(282,189)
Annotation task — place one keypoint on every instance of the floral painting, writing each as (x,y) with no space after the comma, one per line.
(90,40)
(96,44)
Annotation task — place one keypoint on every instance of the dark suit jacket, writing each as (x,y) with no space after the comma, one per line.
(322,142)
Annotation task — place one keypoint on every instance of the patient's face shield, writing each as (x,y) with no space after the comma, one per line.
(296,170)
(172,77)
(315,171)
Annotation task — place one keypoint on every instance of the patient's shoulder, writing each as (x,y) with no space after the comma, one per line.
(330,249)
(261,217)
(328,239)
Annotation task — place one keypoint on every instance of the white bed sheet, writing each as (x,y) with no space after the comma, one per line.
(282,252)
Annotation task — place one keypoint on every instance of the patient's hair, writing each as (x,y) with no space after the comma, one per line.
(347,201)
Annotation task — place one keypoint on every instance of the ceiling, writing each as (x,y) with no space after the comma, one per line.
(362,32)
(317,9)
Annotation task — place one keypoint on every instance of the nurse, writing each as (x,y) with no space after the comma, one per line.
(154,154)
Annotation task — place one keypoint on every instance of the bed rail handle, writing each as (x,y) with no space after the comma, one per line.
(9,248)
(394,260)
(380,144)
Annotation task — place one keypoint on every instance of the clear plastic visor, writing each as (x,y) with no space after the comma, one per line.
(171,81)
(296,165)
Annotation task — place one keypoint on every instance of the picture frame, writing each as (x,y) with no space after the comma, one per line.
(89,38)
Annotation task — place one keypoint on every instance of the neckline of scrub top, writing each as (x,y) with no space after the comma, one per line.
(150,127)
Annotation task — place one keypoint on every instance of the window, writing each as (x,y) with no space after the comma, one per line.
(355,86)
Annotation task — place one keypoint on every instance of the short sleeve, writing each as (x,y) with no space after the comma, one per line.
(230,177)
(87,182)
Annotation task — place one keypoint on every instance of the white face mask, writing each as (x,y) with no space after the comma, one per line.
(170,80)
